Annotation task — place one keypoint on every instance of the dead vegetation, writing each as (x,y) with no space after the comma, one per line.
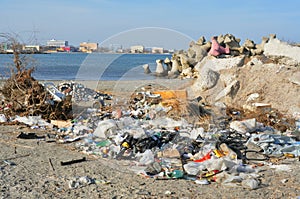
(24,95)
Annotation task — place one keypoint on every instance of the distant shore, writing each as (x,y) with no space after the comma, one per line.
(127,85)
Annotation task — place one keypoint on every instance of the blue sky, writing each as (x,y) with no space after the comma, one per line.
(98,20)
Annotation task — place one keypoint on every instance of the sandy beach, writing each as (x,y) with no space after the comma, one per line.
(33,170)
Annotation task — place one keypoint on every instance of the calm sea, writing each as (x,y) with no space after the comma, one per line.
(79,66)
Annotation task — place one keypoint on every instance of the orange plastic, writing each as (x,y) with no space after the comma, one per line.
(206,157)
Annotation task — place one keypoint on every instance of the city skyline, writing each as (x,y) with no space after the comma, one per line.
(101,20)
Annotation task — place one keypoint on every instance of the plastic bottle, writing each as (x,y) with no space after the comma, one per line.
(193,168)
(242,169)
(177,174)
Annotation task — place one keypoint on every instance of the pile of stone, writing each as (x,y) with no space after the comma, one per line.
(183,63)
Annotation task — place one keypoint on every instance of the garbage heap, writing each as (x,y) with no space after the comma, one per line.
(162,147)
(22,95)
(79,92)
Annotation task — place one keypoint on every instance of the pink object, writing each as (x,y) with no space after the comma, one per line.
(216,49)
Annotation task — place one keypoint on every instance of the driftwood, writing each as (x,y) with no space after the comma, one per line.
(25,96)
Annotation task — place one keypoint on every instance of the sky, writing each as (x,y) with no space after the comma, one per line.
(161,23)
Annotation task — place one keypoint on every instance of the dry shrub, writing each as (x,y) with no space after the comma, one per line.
(25,94)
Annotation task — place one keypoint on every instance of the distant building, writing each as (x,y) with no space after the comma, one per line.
(88,47)
(157,50)
(57,43)
(31,48)
(137,49)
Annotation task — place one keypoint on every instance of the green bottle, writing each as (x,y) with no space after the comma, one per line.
(177,174)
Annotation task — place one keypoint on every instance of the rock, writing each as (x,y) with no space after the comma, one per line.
(187,72)
(220,39)
(192,43)
(146,69)
(275,47)
(231,90)
(272,36)
(175,67)
(260,47)
(249,44)
(245,126)
(201,40)
(159,68)
(153,168)
(191,52)
(250,183)
(168,63)
(220,64)
(184,61)
(295,78)
(252,97)
(257,107)
(198,52)
(209,79)
(254,61)
(231,42)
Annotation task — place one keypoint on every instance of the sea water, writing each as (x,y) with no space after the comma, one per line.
(81,66)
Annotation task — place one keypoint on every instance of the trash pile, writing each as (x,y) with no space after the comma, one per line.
(79,92)
(162,147)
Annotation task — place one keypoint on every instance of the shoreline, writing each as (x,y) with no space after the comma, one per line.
(128,85)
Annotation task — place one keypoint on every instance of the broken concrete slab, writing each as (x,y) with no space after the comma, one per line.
(275,47)
(220,64)
(208,79)
(295,78)
(246,126)
(231,90)
(257,107)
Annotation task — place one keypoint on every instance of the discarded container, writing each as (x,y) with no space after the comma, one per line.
(202,182)
(177,174)
(228,152)
(193,168)
(2,118)
(250,183)
(242,169)
(147,157)
(103,143)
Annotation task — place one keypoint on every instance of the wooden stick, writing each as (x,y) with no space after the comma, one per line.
(73,161)
(50,162)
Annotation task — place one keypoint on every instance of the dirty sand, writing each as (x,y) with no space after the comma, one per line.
(38,172)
